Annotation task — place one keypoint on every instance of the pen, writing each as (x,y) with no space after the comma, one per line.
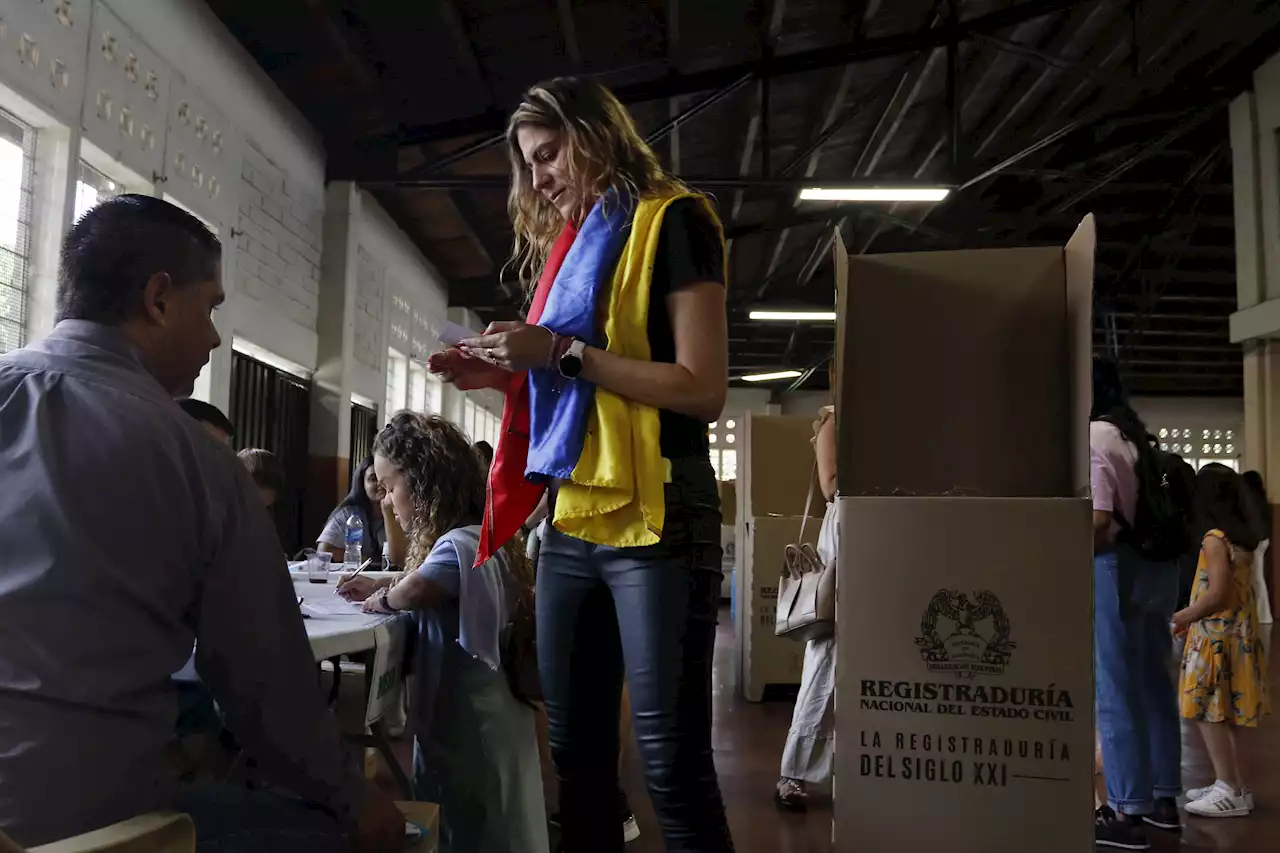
(341,584)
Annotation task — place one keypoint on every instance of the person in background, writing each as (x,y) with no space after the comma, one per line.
(1187,561)
(1134,599)
(218,425)
(267,473)
(809,751)
(628,329)
(1258,506)
(1224,662)
(475,752)
(484,450)
(93,622)
(364,501)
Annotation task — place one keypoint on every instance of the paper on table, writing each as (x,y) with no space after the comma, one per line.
(450,333)
(330,605)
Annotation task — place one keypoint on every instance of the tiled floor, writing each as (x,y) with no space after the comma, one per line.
(749,739)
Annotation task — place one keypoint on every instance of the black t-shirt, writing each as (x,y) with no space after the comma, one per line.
(689,251)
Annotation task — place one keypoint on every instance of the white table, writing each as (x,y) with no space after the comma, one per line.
(355,636)
(331,636)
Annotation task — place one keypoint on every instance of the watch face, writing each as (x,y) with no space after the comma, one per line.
(570,366)
(571,361)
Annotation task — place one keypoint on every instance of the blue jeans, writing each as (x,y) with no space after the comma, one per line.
(652,610)
(1133,601)
(237,820)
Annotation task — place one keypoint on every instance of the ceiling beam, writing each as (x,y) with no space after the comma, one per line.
(673,63)
(569,29)
(860,50)
(501,183)
(755,124)
(461,36)
(831,120)
(886,128)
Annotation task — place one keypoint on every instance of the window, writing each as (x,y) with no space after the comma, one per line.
(728,464)
(417,386)
(1212,445)
(397,381)
(435,394)
(725,464)
(92,187)
(17,178)
(469,418)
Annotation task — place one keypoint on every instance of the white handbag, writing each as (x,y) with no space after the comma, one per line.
(807,588)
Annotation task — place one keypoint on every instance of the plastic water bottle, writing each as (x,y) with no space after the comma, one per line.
(386,556)
(355,538)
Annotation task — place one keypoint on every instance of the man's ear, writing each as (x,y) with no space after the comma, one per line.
(155,297)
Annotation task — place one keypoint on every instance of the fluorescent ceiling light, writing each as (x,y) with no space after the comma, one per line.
(874,194)
(768,377)
(795,316)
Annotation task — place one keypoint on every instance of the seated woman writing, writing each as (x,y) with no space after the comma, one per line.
(475,751)
(364,502)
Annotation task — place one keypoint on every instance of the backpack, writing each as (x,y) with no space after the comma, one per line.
(1160,530)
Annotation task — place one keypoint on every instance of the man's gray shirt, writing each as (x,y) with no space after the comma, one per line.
(126,534)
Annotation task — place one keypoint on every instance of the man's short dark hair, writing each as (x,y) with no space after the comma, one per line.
(265,468)
(112,251)
(207,413)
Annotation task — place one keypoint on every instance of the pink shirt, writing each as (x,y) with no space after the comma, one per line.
(1112,475)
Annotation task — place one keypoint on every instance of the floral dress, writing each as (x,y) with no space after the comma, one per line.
(1224,665)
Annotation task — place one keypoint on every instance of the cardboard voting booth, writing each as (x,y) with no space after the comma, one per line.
(964,615)
(775,467)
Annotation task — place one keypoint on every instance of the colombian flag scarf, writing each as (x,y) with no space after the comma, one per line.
(603,446)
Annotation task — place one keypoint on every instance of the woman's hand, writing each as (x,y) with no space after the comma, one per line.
(512,346)
(466,372)
(357,588)
(377,603)
(1182,622)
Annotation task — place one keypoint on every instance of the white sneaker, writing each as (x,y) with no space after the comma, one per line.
(1221,801)
(1194,794)
(630,829)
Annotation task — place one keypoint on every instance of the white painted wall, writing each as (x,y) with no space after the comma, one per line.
(267,166)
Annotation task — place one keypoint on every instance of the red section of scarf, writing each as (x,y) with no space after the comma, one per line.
(511,498)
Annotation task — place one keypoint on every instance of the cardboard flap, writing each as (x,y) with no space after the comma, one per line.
(1079,258)
(954,374)
(775,466)
(841,264)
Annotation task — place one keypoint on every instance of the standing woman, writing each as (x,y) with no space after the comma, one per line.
(609,390)
(810,748)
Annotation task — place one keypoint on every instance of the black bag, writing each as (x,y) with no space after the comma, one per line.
(1160,529)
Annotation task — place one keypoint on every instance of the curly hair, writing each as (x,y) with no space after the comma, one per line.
(446,483)
(605,151)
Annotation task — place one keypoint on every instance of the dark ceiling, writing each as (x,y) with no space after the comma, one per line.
(1057,109)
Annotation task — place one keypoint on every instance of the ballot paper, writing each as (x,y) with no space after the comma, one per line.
(329,605)
(450,333)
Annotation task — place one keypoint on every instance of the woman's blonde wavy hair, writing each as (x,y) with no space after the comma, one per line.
(604,151)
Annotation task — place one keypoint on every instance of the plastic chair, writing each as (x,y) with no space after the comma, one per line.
(425,815)
(157,832)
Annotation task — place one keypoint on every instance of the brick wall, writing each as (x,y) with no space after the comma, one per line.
(370,277)
(278,236)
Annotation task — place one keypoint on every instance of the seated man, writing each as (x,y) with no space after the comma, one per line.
(129,534)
